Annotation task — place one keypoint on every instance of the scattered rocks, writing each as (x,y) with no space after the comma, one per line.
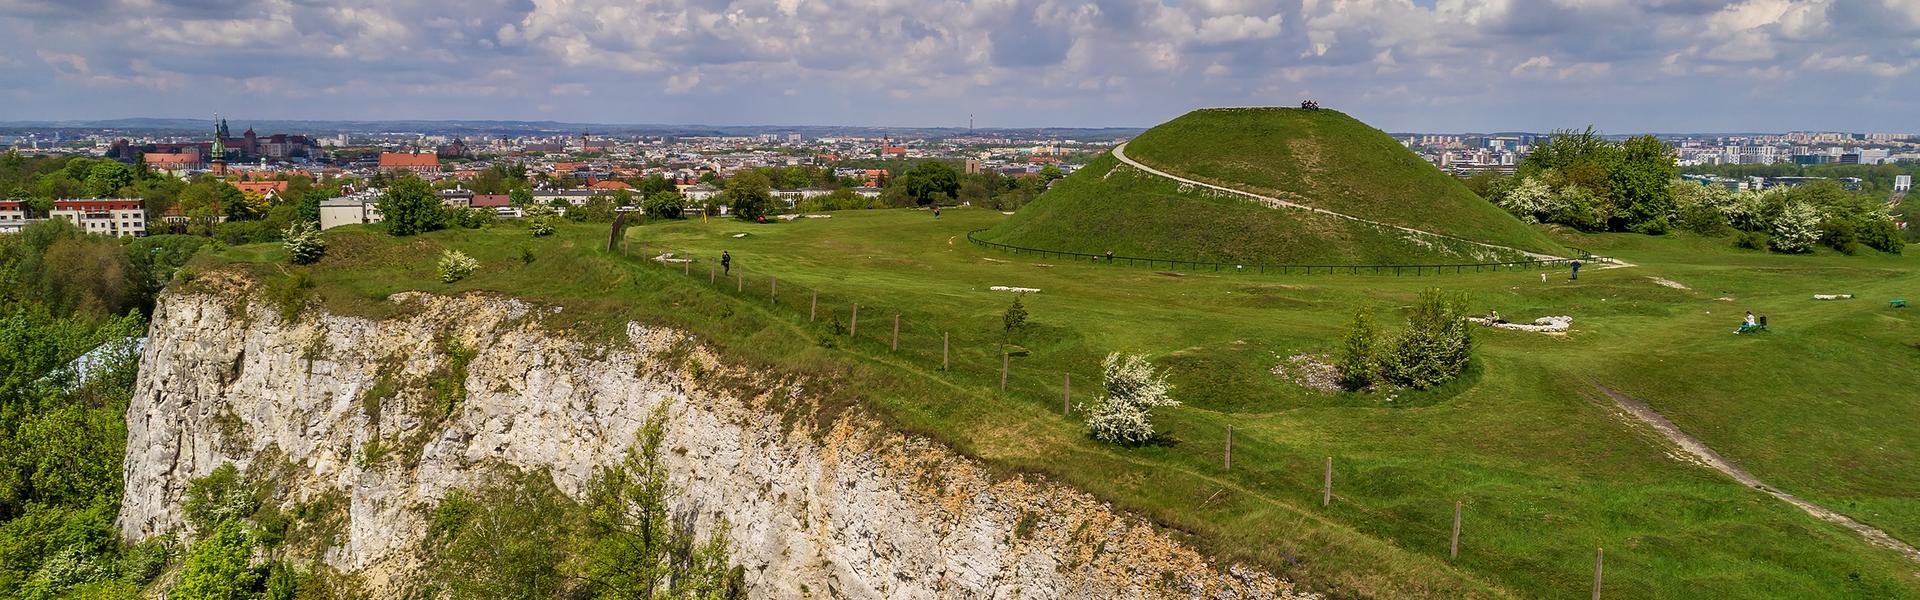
(1833,296)
(1669,283)
(1312,371)
(668,257)
(1547,325)
(1017,290)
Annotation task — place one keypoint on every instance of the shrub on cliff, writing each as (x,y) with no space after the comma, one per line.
(1131,390)
(303,243)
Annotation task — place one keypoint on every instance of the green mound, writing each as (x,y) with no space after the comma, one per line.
(1322,159)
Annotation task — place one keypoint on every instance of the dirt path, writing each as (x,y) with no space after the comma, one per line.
(1713,459)
(1120,152)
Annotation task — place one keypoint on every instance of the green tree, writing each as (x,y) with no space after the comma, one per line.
(665,205)
(638,550)
(219,566)
(748,195)
(1436,345)
(1358,361)
(1642,185)
(410,207)
(931,181)
(106,177)
(520,197)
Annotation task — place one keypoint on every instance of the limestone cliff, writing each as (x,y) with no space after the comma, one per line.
(856,512)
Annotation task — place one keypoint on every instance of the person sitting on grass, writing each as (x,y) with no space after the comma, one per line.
(1747,324)
(1493,317)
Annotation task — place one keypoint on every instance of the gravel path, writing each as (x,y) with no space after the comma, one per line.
(1713,459)
(1120,152)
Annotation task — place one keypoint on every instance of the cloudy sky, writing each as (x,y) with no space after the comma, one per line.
(1404,65)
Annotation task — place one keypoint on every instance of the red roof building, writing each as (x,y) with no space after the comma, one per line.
(264,188)
(417,162)
(610,184)
(118,217)
(491,201)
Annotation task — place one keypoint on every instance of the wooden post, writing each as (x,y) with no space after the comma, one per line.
(813,308)
(1229,447)
(1003,371)
(1454,551)
(1066,395)
(853,324)
(686,268)
(711,275)
(1599,557)
(740,285)
(944,364)
(896,331)
(773,288)
(1326,488)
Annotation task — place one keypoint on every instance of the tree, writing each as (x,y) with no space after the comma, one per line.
(218,567)
(307,205)
(931,181)
(1358,361)
(1436,345)
(410,207)
(665,204)
(106,177)
(455,265)
(1796,228)
(1131,388)
(639,550)
(1014,319)
(1642,185)
(653,184)
(520,197)
(748,195)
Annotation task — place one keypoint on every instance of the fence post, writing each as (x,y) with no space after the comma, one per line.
(1003,371)
(686,268)
(711,277)
(1066,395)
(1454,550)
(813,308)
(1599,557)
(773,288)
(943,351)
(896,331)
(1326,487)
(740,284)
(1229,447)
(853,324)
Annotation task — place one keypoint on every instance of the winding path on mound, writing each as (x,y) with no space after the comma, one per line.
(1708,457)
(1120,152)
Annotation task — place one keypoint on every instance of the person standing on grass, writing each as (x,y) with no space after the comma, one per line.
(936,213)
(1576,270)
(726,262)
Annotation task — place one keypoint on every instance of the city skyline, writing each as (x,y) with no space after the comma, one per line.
(1670,66)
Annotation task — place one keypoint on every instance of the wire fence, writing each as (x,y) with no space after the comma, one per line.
(966,354)
(1288,269)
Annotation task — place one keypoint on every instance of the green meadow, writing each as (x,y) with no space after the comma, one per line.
(1824,406)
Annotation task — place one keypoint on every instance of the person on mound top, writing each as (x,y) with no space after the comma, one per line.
(726,265)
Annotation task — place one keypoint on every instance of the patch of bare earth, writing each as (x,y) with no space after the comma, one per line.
(1312,371)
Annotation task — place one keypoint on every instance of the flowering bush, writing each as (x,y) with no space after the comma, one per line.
(540,227)
(1796,228)
(303,243)
(1132,388)
(455,265)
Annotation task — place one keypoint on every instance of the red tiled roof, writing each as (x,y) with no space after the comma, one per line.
(114,204)
(9,205)
(491,201)
(163,158)
(408,159)
(262,187)
(610,184)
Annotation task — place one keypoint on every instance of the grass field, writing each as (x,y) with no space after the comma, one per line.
(1106,206)
(1329,160)
(1823,407)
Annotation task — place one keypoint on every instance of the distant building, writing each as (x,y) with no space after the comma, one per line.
(1902,183)
(118,217)
(13,216)
(456,198)
(501,204)
(353,209)
(175,162)
(268,189)
(421,163)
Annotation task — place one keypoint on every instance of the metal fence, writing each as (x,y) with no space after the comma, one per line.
(1286,269)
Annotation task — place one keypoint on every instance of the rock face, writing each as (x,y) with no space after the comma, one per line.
(842,508)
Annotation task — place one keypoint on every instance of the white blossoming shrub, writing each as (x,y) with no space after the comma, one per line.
(1131,390)
(1797,228)
(455,265)
(303,243)
(540,227)
(1533,197)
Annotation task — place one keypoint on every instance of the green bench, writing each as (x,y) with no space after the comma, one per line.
(1896,303)
(1744,329)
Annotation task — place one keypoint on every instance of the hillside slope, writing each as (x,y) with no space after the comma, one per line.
(1322,159)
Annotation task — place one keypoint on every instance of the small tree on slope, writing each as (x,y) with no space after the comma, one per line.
(1132,389)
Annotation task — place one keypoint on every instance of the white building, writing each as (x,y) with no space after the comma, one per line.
(13,216)
(1901,183)
(545,197)
(118,217)
(356,209)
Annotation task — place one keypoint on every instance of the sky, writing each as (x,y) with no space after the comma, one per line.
(1624,66)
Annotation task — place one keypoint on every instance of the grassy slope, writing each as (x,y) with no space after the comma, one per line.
(1547,471)
(1107,206)
(1329,160)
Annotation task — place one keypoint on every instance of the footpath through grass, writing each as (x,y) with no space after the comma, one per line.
(1545,467)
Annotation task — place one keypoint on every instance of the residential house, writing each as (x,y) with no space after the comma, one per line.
(118,217)
(501,204)
(352,209)
(267,189)
(422,163)
(13,216)
(573,197)
(457,197)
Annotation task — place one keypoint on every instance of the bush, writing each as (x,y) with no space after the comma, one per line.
(1796,228)
(665,205)
(1359,366)
(455,265)
(218,567)
(1839,234)
(1703,219)
(1131,388)
(526,255)
(1436,345)
(303,243)
(1014,319)
(475,218)
(1881,234)
(1752,240)
(540,227)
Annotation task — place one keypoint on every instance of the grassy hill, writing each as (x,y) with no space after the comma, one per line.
(1546,468)
(1323,159)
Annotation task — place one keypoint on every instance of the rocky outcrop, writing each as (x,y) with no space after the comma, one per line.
(818,508)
